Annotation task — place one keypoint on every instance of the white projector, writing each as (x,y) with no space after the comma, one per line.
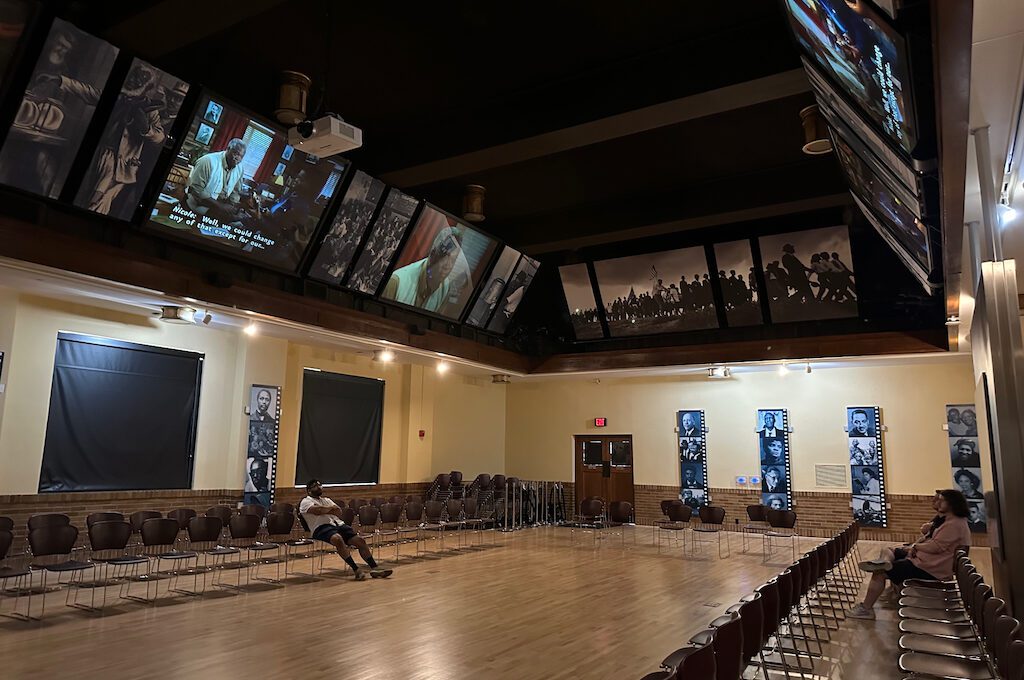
(325,136)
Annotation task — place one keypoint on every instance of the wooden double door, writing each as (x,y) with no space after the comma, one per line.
(604,467)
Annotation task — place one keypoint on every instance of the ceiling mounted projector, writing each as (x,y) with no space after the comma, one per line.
(325,136)
(180,315)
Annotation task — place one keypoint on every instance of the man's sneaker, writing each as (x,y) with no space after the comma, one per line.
(381,573)
(859,611)
(871,566)
(360,574)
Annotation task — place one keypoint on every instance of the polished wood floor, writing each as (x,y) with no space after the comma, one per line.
(534,605)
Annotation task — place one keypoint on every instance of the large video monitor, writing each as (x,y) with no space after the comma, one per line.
(237,186)
(579,297)
(894,214)
(855,45)
(490,293)
(666,292)
(440,265)
(342,241)
(136,131)
(381,245)
(55,111)
(515,289)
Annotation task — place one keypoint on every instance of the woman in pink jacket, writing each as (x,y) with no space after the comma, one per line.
(929,558)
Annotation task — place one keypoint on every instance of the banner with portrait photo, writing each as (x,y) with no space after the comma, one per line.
(965,460)
(693,460)
(867,473)
(261,453)
(773,452)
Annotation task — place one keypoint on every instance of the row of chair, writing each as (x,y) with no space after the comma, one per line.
(958,629)
(783,625)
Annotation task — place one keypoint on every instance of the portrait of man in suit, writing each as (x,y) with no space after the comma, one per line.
(861,423)
(263,413)
(770,424)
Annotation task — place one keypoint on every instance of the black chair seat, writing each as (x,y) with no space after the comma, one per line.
(707,529)
(939,615)
(299,542)
(11,572)
(780,534)
(959,631)
(674,526)
(122,559)
(944,666)
(931,603)
(222,550)
(178,555)
(260,547)
(936,593)
(70,565)
(940,645)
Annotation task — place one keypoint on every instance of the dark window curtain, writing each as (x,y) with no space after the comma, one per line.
(340,428)
(122,417)
(232,125)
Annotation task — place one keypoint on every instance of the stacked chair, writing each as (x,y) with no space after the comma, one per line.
(782,626)
(958,629)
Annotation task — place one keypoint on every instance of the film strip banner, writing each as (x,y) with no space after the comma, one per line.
(693,458)
(867,472)
(965,460)
(773,450)
(261,454)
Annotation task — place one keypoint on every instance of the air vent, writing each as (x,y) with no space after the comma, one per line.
(830,476)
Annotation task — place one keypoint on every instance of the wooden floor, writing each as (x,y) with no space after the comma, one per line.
(536,605)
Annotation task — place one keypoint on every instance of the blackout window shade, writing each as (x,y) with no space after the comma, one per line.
(340,429)
(122,417)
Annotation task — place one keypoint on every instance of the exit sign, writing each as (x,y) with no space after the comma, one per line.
(600,422)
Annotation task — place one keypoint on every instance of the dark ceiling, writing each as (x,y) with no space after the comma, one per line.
(588,123)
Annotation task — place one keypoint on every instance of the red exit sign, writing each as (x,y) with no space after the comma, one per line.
(600,422)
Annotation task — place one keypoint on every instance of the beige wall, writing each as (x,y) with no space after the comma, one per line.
(469,425)
(544,415)
(463,419)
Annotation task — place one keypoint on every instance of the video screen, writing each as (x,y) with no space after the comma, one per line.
(579,296)
(354,214)
(809,275)
(440,265)
(230,187)
(738,281)
(55,111)
(516,288)
(667,292)
(490,294)
(130,146)
(864,55)
(899,218)
(388,231)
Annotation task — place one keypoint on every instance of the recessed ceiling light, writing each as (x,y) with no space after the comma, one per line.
(251,329)
(188,299)
(442,367)
(384,355)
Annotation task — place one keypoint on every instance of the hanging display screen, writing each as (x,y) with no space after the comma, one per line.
(491,292)
(385,236)
(440,265)
(579,296)
(773,450)
(350,224)
(516,288)
(662,292)
(864,55)
(694,489)
(56,110)
(135,133)
(867,472)
(237,185)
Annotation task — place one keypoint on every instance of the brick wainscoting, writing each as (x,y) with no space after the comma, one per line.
(818,513)
(78,505)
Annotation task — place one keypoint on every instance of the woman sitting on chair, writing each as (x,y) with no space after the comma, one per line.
(930,558)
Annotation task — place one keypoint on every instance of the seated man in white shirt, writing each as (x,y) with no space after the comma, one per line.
(323,516)
(215,183)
